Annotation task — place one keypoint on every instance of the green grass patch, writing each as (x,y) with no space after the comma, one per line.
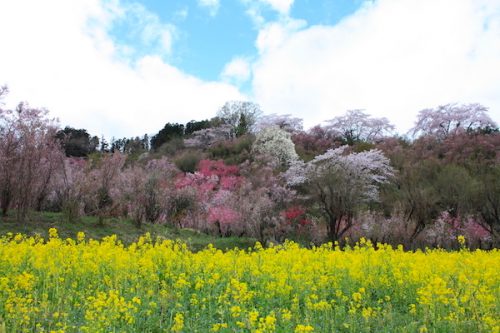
(124,229)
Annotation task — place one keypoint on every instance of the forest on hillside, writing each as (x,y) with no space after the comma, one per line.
(243,173)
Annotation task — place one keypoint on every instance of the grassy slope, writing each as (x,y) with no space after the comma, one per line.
(126,231)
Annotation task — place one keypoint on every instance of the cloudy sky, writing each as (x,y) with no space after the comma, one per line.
(125,67)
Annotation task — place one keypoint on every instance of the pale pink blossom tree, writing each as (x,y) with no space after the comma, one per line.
(356,125)
(341,184)
(285,122)
(451,119)
(29,154)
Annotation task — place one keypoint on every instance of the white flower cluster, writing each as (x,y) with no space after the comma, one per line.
(276,143)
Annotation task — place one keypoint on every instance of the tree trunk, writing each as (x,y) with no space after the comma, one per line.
(332,228)
(5,202)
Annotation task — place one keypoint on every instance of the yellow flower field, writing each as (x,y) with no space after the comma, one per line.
(161,286)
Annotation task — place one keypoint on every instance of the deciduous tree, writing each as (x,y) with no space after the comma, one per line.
(356,125)
(240,115)
(341,184)
(450,119)
(29,153)
(283,121)
(277,144)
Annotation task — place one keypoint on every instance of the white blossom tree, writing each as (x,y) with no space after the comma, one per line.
(277,144)
(356,125)
(341,184)
(240,115)
(450,119)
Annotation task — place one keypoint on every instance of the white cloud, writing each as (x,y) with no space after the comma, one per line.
(392,58)
(59,55)
(211,5)
(275,34)
(237,70)
(281,6)
(255,8)
(144,26)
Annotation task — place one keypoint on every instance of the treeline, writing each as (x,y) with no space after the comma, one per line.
(246,174)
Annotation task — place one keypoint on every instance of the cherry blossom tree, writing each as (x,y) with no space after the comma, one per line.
(451,119)
(285,122)
(29,153)
(356,125)
(341,184)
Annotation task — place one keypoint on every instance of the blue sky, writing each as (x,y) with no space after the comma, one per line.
(126,67)
(206,37)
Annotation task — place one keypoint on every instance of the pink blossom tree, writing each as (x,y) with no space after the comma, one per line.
(215,185)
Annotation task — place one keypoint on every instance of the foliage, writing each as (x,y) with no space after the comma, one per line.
(77,142)
(172,147)
(167,133)
(194,126)
(188,161)
(234,151)
(130,146)
(85,285)
(486,199)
